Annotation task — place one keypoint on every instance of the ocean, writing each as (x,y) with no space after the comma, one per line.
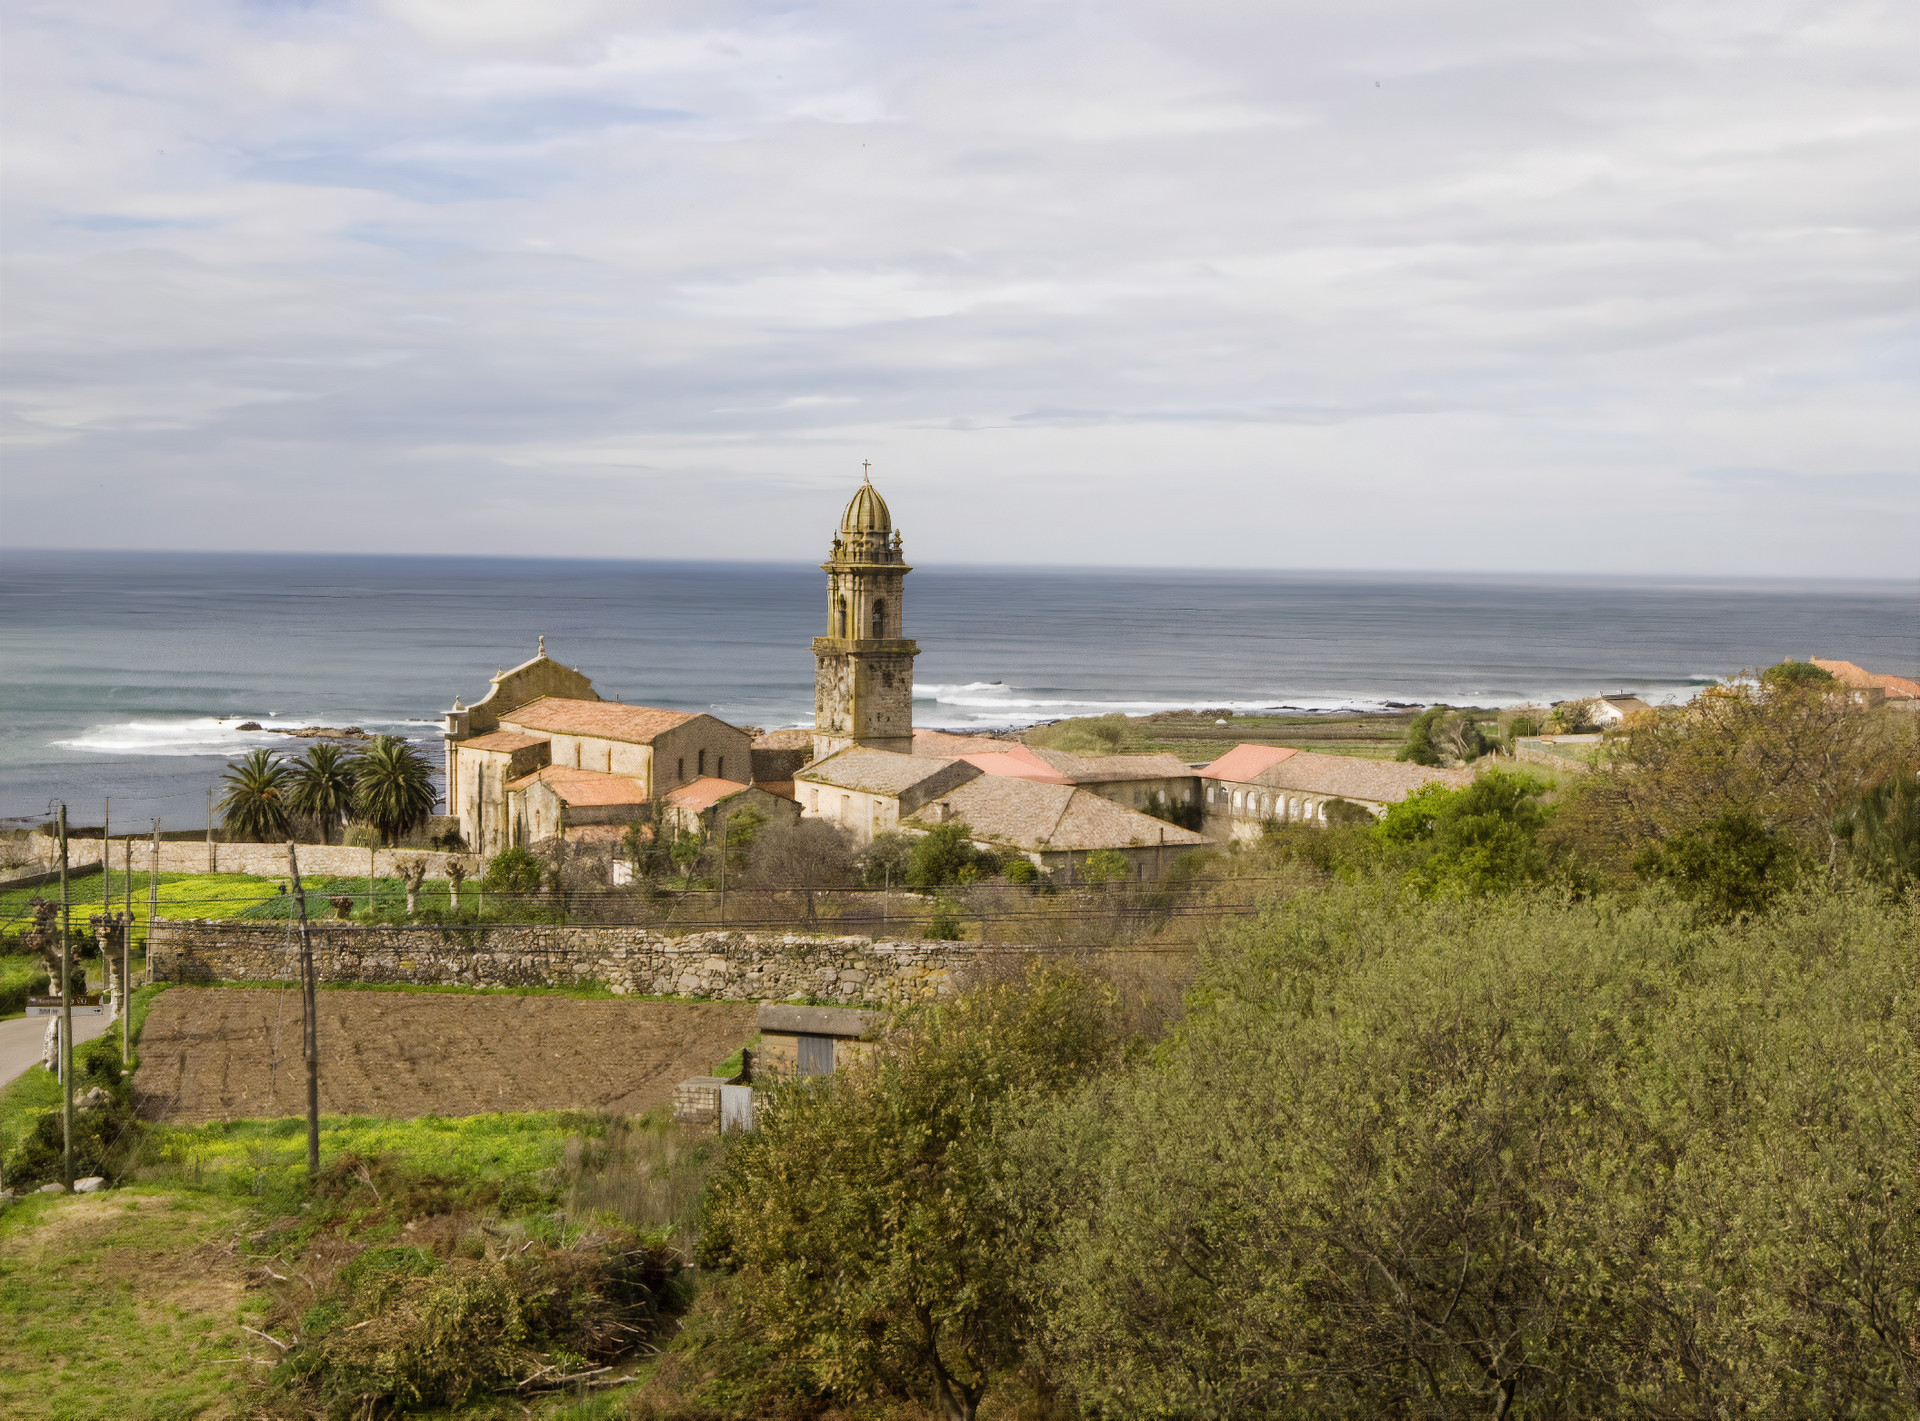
(127,674)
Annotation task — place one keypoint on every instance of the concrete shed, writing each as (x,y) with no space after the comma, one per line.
(812,1041)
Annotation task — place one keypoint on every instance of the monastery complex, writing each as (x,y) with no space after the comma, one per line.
(542,756)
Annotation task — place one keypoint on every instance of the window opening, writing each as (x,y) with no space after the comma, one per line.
(879,619)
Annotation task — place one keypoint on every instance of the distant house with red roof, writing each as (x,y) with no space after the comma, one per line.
(1872,687)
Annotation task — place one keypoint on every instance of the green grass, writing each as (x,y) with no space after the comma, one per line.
(109,1306)
(182,895)
(253,1153)
(20,977)
(22,1102)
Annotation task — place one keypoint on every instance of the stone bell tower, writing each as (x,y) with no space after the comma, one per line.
(863,667)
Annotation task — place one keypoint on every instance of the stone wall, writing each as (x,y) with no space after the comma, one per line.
(266,860)
(764,967)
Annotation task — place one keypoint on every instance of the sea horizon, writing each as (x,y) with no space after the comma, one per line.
(127,673)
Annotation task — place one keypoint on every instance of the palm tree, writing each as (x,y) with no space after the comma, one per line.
(321,786)
(393,787)
(256,805)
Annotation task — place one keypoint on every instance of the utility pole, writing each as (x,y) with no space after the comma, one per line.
(723,872)
(311,1048)
(209,828)
(126,964)
(153,894)
(106,862)
(66,1016)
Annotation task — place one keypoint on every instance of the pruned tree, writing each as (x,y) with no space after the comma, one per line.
(456,875)
(413,872)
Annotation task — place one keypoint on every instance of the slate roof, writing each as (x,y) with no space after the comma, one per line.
(604,720)
(871,771)
(584,787)
(1110,769)
(1243,762)
(1029,815)
(1349,776)
(791,739)
(501,742)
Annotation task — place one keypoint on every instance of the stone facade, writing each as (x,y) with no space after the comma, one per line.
(765,967)
(263,860)
(863,667)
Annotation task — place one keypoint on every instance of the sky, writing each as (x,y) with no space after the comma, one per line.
(1455,285)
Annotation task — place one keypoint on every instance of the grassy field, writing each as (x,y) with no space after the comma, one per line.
(1199,737)
(128,1304)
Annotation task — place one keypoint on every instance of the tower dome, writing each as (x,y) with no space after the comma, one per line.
(867,513)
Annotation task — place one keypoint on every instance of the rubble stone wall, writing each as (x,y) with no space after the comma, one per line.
(729,966)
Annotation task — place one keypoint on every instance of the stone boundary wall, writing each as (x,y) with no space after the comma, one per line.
(732,966)
(266,860)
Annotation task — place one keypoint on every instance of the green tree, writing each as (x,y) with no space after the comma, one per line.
(1733,866)
(1481,838)
(393,787)
(743,826)
(321,787)
(256,805)
(514,870)
(686,852)
(1880,832)
(938,856)
(1441,735)
(885,859)
(1789,673)
(864,1219)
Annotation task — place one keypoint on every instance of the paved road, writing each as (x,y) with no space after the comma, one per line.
(23,1038)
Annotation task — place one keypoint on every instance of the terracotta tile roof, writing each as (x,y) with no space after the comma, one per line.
(1243,762)
(1349,776)
(800,739)
(604,720)
(946,745)
(584,787)
(871,771)
(1858,678)
(704,793)
(1019,763)
(1029,815)
(501,742)
(1110,769)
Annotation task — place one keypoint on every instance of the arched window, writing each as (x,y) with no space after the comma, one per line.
(879,619)
(840,619)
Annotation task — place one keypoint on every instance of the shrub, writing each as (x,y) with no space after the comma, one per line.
(1735,866)
(1479,839)
(1020,870)
(513,870)
(1441,735)
(1104,866)
(938,856)
(870,1242)
(944,925)
(1880,832)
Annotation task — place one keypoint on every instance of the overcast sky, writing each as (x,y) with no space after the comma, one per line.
(1496,284)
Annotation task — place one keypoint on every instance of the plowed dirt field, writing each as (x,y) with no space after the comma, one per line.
(228,1054)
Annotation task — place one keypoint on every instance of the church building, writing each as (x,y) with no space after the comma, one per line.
(543,756)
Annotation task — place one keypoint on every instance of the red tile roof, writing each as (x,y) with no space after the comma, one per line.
(1858,678)
(1243,762)
(584,787)
(502,742)
(704,793)
(1019,763)
(604,720)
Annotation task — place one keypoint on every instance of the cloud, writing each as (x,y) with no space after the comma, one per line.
(1488,285)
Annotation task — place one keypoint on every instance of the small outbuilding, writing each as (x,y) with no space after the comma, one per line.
(812,1041)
